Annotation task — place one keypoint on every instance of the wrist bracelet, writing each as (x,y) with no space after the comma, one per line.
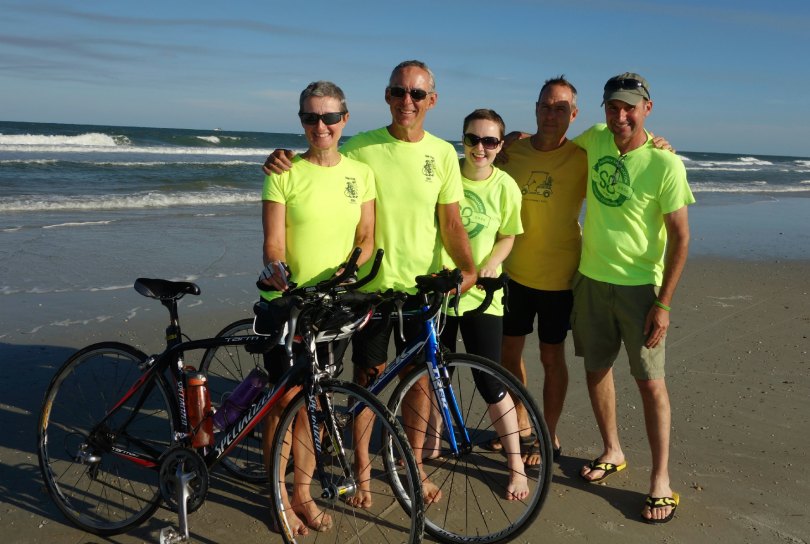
(662,305)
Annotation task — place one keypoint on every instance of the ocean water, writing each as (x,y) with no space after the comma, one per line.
(88,208)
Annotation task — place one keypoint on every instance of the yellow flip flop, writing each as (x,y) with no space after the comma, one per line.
(608,468)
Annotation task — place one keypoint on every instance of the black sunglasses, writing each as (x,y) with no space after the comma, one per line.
(331,118)
(416,94)
(489,142)
(625,85)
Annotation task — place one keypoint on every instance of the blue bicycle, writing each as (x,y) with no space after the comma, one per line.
(472,475)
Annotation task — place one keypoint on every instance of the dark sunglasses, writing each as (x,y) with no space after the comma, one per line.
(416,94)
(489,142)
(625,85)
(330,118)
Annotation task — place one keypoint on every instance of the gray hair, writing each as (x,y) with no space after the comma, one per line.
(417,64)
(326,89)
(559,80)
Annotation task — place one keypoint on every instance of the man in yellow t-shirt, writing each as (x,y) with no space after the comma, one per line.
(418,181)
(635,243)
(551,172)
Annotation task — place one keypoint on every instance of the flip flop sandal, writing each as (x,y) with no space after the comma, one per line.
(661,502)
(608,468)
(529,446)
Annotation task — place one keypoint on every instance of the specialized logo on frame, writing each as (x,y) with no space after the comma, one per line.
(610,181)
(474,214)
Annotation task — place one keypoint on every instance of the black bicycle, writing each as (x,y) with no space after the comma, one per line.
(467,464)
(115,434)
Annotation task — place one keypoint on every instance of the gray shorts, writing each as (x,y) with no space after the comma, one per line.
(604,316)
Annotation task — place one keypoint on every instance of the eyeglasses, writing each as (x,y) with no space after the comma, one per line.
(416,94)
(331,118)
(625,85)
(615,177)
(489,142)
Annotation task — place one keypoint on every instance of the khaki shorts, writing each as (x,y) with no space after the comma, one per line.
(604,316)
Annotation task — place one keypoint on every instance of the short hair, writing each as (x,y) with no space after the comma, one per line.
(325,89)
(418,64)
(559,80)
(485,114)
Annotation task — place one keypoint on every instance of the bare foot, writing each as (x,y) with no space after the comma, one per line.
(314,517)
(296,526)
(362,497)
(518,488)
(430,491)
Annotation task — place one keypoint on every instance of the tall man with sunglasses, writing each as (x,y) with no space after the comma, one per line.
(635,244)
(418,181)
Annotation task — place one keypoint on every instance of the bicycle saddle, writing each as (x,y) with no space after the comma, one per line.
(165,289)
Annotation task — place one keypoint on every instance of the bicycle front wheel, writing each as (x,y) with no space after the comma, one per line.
(104,478)
(226,367)
(346,491)
(475,480)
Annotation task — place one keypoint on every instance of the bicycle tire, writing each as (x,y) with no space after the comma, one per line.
(107,495)
(473,508)
(389,518)
(226,367)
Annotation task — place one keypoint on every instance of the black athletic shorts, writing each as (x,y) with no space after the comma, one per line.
(552,309)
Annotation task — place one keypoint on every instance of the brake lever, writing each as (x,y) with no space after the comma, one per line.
(399,303)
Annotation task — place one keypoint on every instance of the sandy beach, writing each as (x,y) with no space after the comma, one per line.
(738,374)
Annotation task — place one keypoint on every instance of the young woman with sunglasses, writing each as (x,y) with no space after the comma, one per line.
(314,215)
(490,212)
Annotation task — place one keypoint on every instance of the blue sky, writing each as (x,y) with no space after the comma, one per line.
(726,76)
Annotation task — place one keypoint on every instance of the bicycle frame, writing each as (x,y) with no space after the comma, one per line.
(427,341)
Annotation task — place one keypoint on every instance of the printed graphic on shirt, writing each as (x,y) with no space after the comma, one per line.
(429,169)
(540,183)
(351,190)
(473,214)
(610,181)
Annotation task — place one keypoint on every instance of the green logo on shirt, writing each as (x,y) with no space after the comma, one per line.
(351,190)
(473,214)
(429,169)
(610,181)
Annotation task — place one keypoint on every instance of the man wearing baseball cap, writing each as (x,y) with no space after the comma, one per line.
(634,247)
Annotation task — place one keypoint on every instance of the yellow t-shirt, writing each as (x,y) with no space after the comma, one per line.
(489,207)
(322,211)
(411,177)
(547,254)
(628,195)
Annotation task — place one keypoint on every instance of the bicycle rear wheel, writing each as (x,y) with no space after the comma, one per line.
(387,518)
(473,506)
(226,367)
(91,472)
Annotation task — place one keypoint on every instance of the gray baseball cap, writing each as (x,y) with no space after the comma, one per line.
(627,87)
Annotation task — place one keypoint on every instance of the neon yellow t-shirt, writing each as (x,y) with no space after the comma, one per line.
(489,207)
(547,254)
(322,211)
(411,177)
(624,238)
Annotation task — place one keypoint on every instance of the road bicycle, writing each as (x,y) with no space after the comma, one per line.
(116,437)
(470,472)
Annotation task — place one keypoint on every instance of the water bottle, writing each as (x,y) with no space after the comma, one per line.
(198,408)
(240,398)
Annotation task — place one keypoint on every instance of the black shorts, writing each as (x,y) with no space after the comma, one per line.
(370,344)
(552,308)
